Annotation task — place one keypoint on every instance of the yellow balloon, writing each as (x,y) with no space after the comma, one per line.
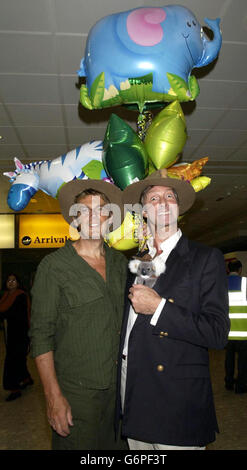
(151,167)
(200,183)
(166,136)
(123,238)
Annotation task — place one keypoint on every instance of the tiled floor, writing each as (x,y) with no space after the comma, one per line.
(23,424)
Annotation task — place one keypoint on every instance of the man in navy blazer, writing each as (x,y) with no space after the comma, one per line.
(164,388)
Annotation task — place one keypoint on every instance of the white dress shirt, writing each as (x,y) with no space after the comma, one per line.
(167,246)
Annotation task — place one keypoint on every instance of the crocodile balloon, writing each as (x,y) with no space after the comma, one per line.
(146,55)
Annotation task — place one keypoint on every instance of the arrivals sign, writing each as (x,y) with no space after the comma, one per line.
(43,231)
(7,231)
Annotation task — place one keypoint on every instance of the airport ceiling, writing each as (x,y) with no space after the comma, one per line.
(42,43)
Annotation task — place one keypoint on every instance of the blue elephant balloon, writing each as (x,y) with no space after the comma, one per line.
(146,55)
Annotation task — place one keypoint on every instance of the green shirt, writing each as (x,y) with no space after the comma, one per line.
(78,315)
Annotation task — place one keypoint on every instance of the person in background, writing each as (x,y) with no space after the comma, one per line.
(237,340)
(15,309)
(77,307)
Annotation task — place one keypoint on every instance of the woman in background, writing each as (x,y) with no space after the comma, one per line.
(15,308)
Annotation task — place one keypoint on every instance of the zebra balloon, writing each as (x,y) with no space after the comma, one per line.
(49,175)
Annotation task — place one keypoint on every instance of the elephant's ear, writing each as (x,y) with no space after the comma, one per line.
(143,26)
(140,29)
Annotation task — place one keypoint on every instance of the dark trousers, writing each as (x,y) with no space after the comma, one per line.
(234,347)
(93,417)
(15,369)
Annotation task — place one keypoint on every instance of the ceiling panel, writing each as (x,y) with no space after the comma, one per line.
(25,15)
(36,115)
(79,135)
(7,154)
(45,151)
(27,53)
(230,64)
(241,99)
(204,118)
(225,138)
(70,50)
(201,10)
(72,115)
(233,119)
(42,135)
(240,154)
(222,94)
(235,21)
(24,88)
(70,89)
(9,136)
(213,153)
(81,16)
(4,117)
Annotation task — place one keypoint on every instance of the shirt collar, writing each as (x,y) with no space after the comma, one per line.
(166,246)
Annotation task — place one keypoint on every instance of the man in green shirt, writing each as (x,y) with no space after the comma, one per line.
(77,305)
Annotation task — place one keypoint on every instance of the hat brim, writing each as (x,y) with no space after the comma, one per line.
(70,190)
(186,193)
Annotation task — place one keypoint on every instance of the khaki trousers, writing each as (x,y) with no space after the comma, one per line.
(139,445)
(93,417)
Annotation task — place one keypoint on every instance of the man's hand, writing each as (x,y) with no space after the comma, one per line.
(59,414)
(144,300)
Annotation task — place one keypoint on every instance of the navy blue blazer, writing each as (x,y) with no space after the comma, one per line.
(168,397)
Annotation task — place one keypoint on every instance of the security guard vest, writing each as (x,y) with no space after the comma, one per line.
(237,307)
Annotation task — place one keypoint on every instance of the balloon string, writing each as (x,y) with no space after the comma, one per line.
(143,122)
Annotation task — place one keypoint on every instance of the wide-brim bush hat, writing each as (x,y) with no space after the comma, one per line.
(70,190)
(185,191)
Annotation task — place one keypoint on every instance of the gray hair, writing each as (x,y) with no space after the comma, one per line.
(145,191)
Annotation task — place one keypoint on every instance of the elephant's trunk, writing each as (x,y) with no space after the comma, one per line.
(211,48)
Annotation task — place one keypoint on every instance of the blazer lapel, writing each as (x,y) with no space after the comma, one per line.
(177,265)
(127,303)
(177,270)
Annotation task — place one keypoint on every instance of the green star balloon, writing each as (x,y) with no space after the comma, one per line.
(124,156)
(166,136)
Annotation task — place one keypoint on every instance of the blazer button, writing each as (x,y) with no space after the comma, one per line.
(163,333)
(160,368)
(171,300)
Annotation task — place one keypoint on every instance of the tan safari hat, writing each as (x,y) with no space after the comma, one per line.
(186,193)
(69,191)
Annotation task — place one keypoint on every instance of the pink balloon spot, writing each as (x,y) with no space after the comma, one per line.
(143,26)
